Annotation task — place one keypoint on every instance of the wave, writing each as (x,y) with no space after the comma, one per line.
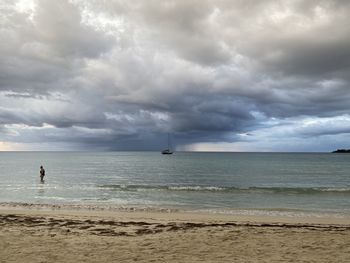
(197,188)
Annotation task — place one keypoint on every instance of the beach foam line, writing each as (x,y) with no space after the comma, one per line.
(273,190)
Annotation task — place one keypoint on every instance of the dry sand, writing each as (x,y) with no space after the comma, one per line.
(92,236)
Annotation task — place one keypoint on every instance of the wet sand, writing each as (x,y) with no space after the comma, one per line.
(56,235)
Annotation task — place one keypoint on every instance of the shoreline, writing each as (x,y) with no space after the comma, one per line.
(78,235)
(167,214)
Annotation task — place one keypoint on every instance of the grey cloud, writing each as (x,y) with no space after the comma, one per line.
(311,40)
(211,113)
(121,74)
(182,27)
(58,23)
(312,58)
(42,53)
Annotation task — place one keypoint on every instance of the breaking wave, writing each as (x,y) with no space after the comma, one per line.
(193,188)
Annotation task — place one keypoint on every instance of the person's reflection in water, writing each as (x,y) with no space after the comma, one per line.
(41,189)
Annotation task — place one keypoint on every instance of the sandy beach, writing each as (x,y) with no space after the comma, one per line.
(58,235)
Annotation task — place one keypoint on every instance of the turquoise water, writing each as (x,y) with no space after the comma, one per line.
(214,182)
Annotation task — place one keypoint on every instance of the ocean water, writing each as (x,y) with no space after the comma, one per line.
(291,183)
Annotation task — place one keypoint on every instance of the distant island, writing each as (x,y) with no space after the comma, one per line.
(342,151)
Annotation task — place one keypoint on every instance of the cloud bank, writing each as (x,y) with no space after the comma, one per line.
(217,75)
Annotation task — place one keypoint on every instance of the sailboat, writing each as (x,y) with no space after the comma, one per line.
(168,150)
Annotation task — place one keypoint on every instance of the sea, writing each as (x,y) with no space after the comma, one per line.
(287,184)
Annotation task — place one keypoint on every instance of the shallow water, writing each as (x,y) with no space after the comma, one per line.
(214,182)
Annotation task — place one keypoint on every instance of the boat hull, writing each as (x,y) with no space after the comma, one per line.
(167,152)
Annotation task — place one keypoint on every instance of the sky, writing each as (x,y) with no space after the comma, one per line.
(223,75)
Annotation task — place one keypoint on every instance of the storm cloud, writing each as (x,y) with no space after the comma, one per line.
(218,75)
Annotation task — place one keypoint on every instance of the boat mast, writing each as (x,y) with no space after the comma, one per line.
(169,148)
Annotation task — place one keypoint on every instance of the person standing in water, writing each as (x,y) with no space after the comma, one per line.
(42,173)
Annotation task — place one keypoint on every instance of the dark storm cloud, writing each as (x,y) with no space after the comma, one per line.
(121,74)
